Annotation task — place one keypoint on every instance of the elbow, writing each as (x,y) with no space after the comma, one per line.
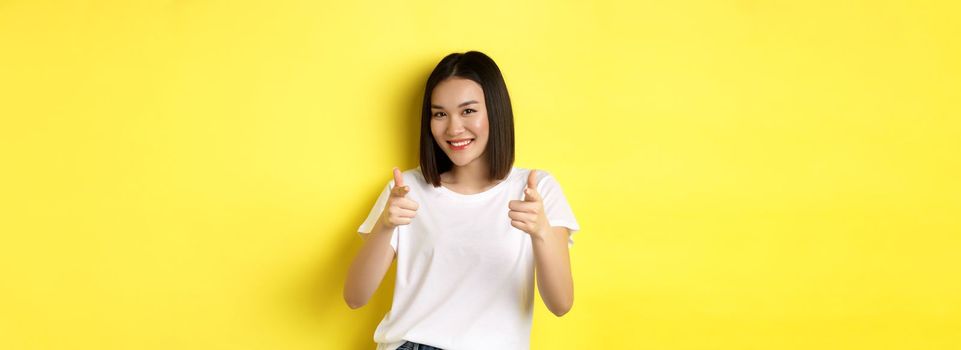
(561,310)
(353,302)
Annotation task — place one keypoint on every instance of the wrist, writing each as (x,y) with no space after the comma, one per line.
(541,235)
(384,227)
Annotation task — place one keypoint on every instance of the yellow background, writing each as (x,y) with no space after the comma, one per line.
(747,174)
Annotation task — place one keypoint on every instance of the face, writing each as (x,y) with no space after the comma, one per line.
(459,120)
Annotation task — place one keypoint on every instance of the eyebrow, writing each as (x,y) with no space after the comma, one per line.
(460,105)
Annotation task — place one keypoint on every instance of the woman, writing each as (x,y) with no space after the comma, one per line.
(467,228)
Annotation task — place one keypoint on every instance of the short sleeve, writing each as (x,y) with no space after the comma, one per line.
(375,212)
(556,208)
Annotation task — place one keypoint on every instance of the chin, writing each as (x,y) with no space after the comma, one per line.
(461,161)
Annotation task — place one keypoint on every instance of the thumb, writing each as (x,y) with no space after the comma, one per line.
(530,192)
(398,178)
(399,188)
(532,179)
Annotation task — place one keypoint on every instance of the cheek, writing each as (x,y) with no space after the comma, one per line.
(480,126)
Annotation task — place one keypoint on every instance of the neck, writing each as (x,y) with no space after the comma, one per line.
(473,174)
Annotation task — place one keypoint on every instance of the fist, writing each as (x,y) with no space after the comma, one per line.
(528,215)
(400,210)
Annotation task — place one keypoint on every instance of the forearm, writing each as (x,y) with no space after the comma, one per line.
(369,266)
(553,270)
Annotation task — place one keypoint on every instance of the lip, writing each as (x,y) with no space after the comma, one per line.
(460,148)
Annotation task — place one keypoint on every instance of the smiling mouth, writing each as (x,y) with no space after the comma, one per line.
(460,144)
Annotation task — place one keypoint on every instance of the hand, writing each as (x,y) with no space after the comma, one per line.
(399,210)
(528,215)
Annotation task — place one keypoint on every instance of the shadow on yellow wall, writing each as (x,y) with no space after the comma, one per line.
(325,291)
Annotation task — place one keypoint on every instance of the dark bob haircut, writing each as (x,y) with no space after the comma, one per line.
(481,69)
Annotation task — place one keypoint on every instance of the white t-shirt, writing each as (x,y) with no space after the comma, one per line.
(465,276)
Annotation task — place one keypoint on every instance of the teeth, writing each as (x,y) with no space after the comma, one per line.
(462,143)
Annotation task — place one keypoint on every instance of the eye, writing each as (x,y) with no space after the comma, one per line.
(469,109)
(438,114)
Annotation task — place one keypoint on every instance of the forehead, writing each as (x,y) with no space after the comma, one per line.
(453,91)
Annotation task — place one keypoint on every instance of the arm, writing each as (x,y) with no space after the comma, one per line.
(552,261)
(553,269)
(369,266)
(374,258)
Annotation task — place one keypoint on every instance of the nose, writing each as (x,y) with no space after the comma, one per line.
(455,127)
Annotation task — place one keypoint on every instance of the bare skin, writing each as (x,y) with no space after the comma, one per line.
(375,256)
(458,115)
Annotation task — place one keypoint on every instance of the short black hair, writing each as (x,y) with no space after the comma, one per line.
(481,69)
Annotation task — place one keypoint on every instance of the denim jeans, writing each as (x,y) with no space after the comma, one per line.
(416,346)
